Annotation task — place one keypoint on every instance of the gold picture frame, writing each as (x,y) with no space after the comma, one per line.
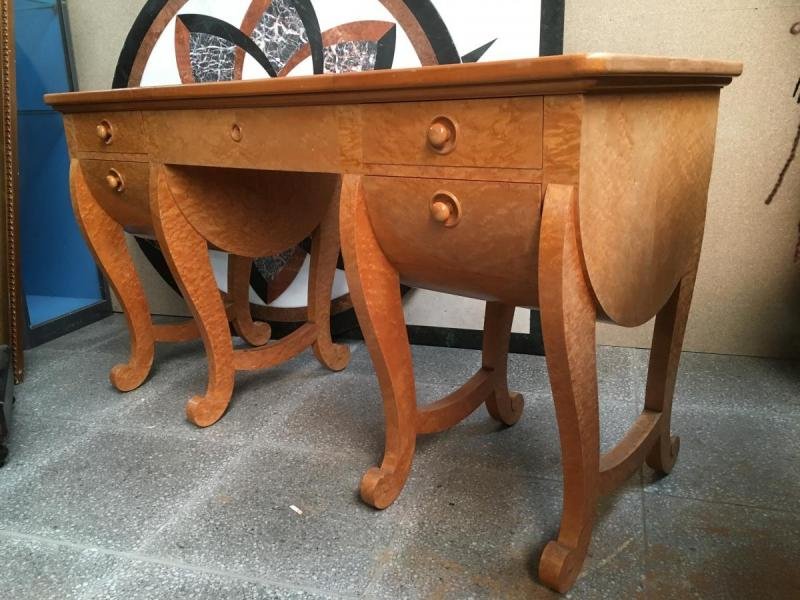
(10,313)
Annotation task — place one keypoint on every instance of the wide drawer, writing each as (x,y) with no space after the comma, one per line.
(282,138)
(472,238)
(122,189)
(117,132)
(498,133)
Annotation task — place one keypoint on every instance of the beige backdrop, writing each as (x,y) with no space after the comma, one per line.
(748,291)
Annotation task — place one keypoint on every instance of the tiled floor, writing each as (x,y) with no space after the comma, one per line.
(111,495)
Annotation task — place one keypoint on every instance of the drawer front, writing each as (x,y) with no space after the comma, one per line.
(471,238)
(122,189)
(118,132)
(498,133)
(282,138)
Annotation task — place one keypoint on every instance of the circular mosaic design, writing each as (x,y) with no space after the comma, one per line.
(189,41)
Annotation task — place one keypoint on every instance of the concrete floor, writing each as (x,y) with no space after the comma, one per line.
(111,495)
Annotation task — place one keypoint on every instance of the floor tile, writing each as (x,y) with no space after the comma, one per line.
(711,551)
(138,580)
(618,369)
(750,458)
(531,447)
(738,383)
(479,534)
(33,443)
(89,337)
(246,523)
(113,489)
(33,570)
(170,510)
(259,403)
(63,385)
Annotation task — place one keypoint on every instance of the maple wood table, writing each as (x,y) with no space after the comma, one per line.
(574,184)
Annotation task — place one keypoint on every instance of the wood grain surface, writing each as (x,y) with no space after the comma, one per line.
(575,184)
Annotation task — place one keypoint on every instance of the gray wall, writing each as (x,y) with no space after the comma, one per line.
(747,299)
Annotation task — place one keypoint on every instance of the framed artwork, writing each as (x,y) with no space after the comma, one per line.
(187,41)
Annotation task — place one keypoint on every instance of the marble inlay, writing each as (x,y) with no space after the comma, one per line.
(270,266)
(350,56)
(280,33)
(212,57)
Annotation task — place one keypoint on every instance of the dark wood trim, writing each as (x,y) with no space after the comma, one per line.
(50,330)
(6,401)
(467,339)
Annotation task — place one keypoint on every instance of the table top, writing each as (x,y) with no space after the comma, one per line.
(572,73)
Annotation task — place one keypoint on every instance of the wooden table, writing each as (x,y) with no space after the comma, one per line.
(573,184)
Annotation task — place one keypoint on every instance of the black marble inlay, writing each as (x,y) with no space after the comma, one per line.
(270,266)
(212,57)
(350,56)
(280,33)
(309,17)
(227,32)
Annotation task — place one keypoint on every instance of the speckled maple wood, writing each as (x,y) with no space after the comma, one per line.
(182,204)
(573,184)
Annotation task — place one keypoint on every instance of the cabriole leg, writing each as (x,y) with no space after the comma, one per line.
(106,240)
(375,290)
(503,406)
(186,253)
(568,325)
(324,258)
(255,333)
(663,369)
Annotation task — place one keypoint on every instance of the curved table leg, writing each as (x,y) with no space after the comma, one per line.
(568,325)
(186,253)
(503,406)
(324,257)
(255,333)
(375,290)
(664,358)
(106,240)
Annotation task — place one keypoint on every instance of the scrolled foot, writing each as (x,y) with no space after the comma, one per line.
(380,487)
(205,411)
(664,454)
(507,410)
(559,566)
(334,356)
(255,333)
(126,377)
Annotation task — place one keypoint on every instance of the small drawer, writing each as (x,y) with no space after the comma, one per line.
(119,132)
(122,189)
(497,133)
(473,238)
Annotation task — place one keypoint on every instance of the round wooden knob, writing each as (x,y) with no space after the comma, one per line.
(441,211)
(114,181)
(104,132)
(236,133)
(442,135)
(445,209)
(438,135)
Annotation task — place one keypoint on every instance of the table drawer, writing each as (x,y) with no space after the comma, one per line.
(123,190)
(504,132)
(119,132)
(472,238)
(282,138)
